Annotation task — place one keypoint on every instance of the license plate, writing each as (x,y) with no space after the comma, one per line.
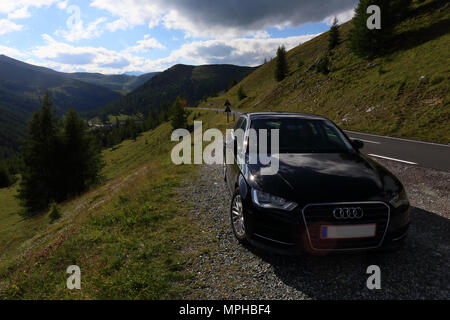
(348,232)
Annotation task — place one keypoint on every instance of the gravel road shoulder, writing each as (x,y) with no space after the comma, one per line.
(227,270)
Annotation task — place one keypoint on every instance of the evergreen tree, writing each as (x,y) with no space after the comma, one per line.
(281,67)
(82,161)
(334,36)
(368,43)
(40,172)
(58,161)
(178,114)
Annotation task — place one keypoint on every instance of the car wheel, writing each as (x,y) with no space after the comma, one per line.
(237,217)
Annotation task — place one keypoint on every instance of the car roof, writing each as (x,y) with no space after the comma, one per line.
(272,115)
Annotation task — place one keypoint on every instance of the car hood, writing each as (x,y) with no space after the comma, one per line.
(324,177)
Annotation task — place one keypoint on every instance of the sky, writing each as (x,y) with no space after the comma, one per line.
(139,36)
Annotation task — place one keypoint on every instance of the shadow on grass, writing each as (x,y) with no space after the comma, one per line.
(413,38)
(420,270)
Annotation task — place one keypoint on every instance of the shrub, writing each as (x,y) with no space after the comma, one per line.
(55,214)
(323,65)
(241,93)
(179,114)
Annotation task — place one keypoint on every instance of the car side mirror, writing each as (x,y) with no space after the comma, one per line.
(357,144)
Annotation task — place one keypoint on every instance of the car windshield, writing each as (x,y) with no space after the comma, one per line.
(299,135)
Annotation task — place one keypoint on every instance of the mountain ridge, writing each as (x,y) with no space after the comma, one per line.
(191,82)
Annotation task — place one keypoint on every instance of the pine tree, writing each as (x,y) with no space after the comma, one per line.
(82,162)
(281,67)
(58,161)
(334,36)
(178,114)
(38,185)
(368,43)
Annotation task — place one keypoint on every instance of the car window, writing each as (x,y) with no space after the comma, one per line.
(243,125)
(299,135)
(238,124)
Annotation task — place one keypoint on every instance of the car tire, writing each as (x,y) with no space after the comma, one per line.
(237,217)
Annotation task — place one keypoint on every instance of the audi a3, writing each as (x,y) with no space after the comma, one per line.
(325,196)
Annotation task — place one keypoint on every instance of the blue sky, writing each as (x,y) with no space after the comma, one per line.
(118,36)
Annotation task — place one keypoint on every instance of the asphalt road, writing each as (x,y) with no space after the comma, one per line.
(424,154)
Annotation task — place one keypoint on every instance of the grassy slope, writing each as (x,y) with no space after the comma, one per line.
(128,236)
(388,98)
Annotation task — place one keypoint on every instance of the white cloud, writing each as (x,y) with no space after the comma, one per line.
(341,16)
(20,13)
(19,8)
(240,51)
(12,52)
(78,31)
(119,24)
(68,58)
(63,4)
(7,26)
(145,45)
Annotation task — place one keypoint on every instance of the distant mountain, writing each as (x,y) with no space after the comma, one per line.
(123,83)
(192,82)
(22,85)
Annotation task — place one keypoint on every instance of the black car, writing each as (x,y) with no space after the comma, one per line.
(326,195)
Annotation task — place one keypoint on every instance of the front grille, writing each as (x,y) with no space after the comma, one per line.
(317,215)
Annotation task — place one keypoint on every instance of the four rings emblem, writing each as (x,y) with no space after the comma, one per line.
(348,213)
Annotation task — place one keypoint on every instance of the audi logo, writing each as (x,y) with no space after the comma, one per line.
(348,213)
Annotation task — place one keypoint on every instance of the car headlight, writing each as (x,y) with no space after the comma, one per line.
(399,199)
(266,200)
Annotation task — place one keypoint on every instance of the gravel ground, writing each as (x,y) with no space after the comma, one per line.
(227,270)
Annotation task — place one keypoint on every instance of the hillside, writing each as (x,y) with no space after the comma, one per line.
(192,82)
(22,85)
(128,235)
(406,93)
(122,83)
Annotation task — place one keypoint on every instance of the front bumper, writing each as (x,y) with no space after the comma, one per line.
(290,233)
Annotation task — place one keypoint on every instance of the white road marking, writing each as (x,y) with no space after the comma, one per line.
(401,139)
(368,141)
(393,159)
